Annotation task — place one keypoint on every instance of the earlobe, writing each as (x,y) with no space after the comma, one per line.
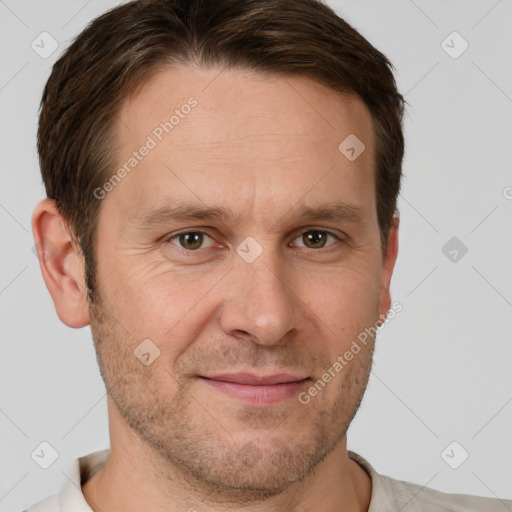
(61,264)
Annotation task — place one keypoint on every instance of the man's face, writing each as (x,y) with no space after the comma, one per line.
(289,300)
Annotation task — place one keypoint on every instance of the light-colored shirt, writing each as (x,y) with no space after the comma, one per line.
(388,494)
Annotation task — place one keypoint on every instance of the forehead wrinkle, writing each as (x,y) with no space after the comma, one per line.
(261,138)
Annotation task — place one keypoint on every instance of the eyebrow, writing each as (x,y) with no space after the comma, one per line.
(181,211)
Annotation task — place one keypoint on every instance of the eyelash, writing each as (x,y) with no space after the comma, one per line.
(310,230)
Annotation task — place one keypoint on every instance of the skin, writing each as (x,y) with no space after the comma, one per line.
(261,146)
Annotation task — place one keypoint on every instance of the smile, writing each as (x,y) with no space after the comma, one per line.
(257,390)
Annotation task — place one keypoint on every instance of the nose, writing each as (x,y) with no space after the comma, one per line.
(260,304)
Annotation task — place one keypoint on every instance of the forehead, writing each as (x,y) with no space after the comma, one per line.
(259,134)
(244,99)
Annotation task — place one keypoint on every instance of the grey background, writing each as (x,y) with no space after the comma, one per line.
(442,368)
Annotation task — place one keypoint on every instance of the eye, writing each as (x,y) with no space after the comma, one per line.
(194,240)
(190,240)
(316,239)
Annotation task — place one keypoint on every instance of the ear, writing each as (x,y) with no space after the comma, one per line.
(388,264)
(61,264)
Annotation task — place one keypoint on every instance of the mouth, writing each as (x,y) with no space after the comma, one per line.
(257,390)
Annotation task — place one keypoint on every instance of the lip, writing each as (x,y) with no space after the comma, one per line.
(255,389)
(256,380)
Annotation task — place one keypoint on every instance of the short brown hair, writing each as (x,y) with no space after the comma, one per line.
(118,50)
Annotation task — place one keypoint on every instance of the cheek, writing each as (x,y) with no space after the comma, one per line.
(345,301)
(173,306)
(169,307)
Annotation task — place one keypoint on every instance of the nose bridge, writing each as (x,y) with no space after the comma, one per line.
(259,302)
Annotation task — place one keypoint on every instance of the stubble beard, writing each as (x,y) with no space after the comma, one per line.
(187,441)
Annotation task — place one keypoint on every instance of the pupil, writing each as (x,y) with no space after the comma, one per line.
(315,237)
(193,240)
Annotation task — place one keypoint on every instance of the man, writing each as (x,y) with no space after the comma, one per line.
(222,178)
